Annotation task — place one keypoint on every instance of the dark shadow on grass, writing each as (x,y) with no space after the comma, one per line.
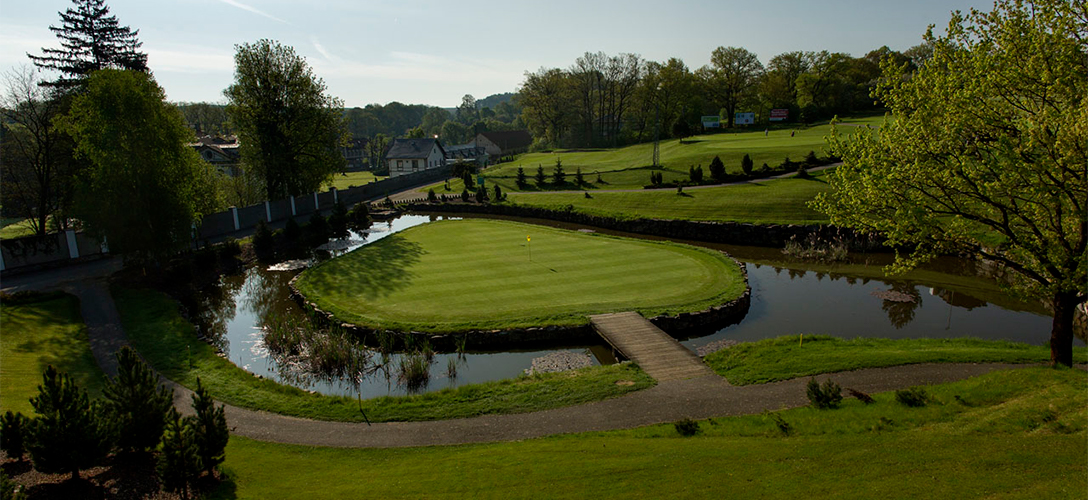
(379,270)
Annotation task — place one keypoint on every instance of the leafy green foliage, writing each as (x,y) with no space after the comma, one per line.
(338,221)
(264,244)
(67,435)
(317,230)
(290,130)
(686,427)
(359,217)
(135,403)
(143,187)
(914,397)
(988,140)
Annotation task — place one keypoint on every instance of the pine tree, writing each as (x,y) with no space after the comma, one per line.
(13,428)
(540,177)
(558,175)
(717,168)
(179,463)
(137,405)
(521,178)
(746,164)
(210,428)
(90,40)
(338,220)
(67,435)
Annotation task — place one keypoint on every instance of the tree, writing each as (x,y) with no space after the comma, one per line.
(539,177)
(717,168)
(558,176)
(359,217)
(90,40)
(338,221)
(545,97)
(67,435)
(179,463)
(746,164)
(290,130)
(375,151)
(521,182)
(143,187)
(986,154)
(13,433)
(37,168)
(498,193)
(467,113)
(732,77)
(136,404)
(210,429)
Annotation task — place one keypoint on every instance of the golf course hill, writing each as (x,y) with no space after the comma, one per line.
(475,275)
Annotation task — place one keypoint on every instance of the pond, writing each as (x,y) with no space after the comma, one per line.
(788,298)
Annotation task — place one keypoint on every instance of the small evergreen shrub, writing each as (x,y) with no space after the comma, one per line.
(695,174)
(13,428)
(498,193)
(521,180)
(717,169)
(264,244)
(465,197)
(746,164)
(578,176)
(481,194)
(558,176)
(686,427)
(540,177)
(914,397)
(432,197)
(826,396)
(811,160)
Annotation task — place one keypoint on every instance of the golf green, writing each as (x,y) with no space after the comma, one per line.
(460,275)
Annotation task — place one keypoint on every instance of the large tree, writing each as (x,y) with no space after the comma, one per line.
(985,153)
(731,77)
(143,187)
(35,157)
(90,40)
(290,129)
(545,97)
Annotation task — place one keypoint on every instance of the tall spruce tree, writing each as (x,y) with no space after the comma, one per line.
(67,434)
(90,40)
(209,424)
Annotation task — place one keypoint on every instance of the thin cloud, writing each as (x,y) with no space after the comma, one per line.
(321,48)
(240,5)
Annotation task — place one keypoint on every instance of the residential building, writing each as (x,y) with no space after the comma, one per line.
(503,144)
(406,156)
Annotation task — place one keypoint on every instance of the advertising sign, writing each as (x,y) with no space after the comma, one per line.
(744,118)
(779,115)
(712,121)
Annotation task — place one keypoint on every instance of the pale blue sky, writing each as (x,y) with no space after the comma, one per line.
(424,52)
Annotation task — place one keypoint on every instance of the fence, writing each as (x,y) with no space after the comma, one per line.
(52,249)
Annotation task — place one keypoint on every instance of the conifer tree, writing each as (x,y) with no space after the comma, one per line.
(179,463)
(210,428)
(90,40)
(137,404)
(67,434)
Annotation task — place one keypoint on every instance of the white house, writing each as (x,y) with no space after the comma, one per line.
(414,155)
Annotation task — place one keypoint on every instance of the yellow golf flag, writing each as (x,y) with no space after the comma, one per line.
(528,239)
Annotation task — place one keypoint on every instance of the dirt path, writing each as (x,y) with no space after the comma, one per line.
(696,398)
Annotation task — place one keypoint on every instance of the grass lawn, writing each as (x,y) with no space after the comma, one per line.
(792,356)
(1010,435)
(156,329)
(348,179)
(779,201)
(45,330)
(17,228)
(629,167)
(477,274)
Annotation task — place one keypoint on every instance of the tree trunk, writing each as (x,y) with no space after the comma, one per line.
(1061,333)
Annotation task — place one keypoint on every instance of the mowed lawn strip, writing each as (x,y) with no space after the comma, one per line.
(39,331)
(774,201)
(1015,434)
(793,356)
(458,275)
(156,329)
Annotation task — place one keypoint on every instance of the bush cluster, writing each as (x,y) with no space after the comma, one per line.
(826,396)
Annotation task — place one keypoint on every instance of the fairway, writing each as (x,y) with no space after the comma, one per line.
(463,275)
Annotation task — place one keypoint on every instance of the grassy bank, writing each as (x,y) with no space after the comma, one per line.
(779,201)
(349,179)
(37,332)
(164,338)
(1015,434)
(481,270)
(792,356)
(628,167)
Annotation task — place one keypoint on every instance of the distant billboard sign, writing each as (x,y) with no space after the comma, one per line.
(712,121)
(744,118)
(780,115)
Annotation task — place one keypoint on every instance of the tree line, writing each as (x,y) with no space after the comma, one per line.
(604,100)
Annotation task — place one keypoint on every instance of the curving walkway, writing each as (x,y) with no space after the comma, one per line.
(696,398)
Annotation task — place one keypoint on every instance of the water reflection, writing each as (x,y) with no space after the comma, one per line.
(787,298)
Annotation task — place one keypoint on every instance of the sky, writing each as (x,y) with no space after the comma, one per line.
(435,52)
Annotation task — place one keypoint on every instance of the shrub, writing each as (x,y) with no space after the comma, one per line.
(359,217)
(264,245)
(783,426)
(13,428)
(467,179)
(136,404)
(696,174)
(861,396)
(9,489)
(680,189)
(498,193)
(811,160)
(291,231)
(914,397)
(765,168)
(338,221)
(481,194)
(317,229)
(828,395)
(686,427)
(465,196)
(746,164)
(431,197)
(717,169)
(802,172)
(68,434)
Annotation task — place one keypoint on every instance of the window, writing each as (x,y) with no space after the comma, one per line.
(400,165)
(415,164)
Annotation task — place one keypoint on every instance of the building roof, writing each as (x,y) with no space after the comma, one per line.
(413,148)
(513,139)
(465,151)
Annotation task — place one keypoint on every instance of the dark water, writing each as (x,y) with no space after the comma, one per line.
(784,302)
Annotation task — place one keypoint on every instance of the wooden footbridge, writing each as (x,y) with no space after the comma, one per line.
(656,352)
